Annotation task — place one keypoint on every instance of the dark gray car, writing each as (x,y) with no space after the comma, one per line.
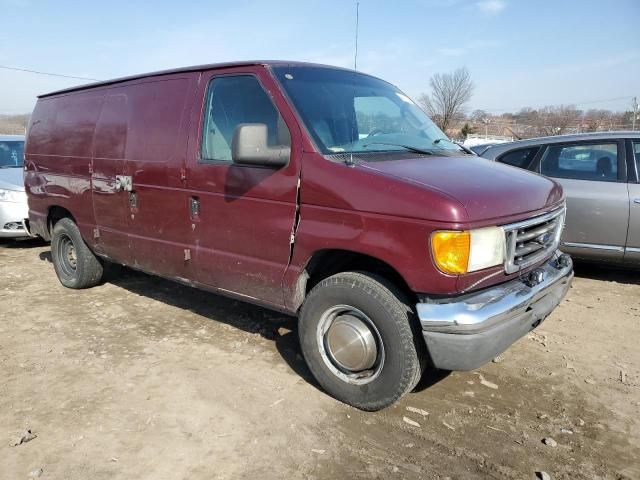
(599,174)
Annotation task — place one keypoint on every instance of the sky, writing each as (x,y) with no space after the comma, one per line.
(519,53)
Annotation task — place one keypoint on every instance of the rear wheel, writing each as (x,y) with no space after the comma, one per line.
(74,263)
(357,333)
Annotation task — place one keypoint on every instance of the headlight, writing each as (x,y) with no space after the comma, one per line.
(11,196)
(458,252)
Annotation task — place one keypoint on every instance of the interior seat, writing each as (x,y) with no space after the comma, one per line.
(604,168)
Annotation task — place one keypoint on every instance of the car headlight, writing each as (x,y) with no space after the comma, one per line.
(459,252)
(11,196)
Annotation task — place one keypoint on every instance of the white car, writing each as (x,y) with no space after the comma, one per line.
(13,199)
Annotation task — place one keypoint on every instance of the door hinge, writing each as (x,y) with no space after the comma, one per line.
(96,233)
(183,174)
(187,254)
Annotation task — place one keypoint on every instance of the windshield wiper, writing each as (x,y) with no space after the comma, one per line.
(438,140)
(407,147)
(461,147)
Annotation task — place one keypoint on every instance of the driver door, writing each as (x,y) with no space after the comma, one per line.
(242,216)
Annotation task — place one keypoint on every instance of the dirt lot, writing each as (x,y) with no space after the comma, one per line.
(142,378)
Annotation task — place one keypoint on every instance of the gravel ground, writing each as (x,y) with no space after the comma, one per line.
(142,378)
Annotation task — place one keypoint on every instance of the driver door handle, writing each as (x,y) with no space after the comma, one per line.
(636,200)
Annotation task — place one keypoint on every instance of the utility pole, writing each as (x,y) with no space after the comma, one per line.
(486,121)
(635,113)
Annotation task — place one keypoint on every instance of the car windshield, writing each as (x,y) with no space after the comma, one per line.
(11,153)
(349,112)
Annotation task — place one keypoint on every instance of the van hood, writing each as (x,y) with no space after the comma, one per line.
(12,179)
(486,189)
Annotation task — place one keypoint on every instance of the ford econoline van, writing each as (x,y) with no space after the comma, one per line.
(321,192)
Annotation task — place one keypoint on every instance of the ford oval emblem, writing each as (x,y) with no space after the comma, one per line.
(545,237)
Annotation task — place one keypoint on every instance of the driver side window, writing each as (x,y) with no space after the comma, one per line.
(231,101)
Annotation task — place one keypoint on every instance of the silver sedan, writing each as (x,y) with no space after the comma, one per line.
(600,176)
(13,199)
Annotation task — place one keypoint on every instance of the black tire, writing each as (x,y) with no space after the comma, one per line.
(75,264)
(387,308)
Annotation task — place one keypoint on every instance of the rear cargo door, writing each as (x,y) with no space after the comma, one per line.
(110,201)
(242,216)
(157,203)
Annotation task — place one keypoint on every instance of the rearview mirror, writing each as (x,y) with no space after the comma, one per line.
(249,147)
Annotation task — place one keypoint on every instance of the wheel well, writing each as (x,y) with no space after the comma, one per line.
(325,263)
(57,213)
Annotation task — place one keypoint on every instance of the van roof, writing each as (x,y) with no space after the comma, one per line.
(194,68)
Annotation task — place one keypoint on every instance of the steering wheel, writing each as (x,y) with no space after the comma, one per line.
(375,131)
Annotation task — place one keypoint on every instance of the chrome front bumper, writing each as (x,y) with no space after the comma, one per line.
(464,332)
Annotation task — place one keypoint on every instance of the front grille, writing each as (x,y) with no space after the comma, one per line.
(532,240)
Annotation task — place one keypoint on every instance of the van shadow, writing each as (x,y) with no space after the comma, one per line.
(606,273)
(273,326)
(21,243)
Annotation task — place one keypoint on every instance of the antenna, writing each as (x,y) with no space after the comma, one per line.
(355,56)
(355,67)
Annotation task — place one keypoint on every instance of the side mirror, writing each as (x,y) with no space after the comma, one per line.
(249,147)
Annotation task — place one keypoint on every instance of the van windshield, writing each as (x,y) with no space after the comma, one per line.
(11,154)
(349,112)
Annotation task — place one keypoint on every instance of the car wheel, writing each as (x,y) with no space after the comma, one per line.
(360,340)
(74,263)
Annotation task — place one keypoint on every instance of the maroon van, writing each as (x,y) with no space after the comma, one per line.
(320,192)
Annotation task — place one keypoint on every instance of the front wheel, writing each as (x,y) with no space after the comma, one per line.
(74,263)
(359,339)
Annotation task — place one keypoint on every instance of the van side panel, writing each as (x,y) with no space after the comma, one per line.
(58,158)
(142,133)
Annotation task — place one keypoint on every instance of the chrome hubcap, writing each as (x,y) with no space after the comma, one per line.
(350,344)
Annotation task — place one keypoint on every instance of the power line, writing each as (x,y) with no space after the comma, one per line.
(18,69)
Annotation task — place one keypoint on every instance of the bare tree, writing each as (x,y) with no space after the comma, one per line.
(478,115)
(526,115)
(14,124)
(554,120)
(450,92)
(595,119)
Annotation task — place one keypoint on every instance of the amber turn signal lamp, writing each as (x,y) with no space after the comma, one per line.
(451,251)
